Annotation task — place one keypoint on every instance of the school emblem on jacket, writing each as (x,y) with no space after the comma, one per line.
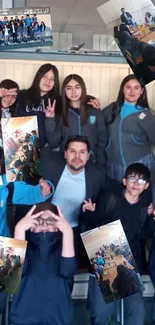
(92,119)
(142,116)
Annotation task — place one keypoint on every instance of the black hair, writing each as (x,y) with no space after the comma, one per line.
(9,84)
(34,90)
(2,164)
(25,147)
(83,99)
(116,107)
(18,163)
(122,8)
(33,131)
(77,138)
(123,28)
(116,32)
(148,55)
(138,169)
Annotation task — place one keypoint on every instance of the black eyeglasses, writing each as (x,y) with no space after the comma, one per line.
(133,179)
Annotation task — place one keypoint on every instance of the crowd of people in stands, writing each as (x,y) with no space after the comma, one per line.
(24,29)
(98,165)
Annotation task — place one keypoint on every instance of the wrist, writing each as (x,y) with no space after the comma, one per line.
(68,232)
(19,232)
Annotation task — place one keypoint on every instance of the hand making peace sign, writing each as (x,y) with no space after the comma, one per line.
(50,109)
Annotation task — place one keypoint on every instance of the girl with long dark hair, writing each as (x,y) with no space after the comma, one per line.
(33,101)
(78,118)
(130,128)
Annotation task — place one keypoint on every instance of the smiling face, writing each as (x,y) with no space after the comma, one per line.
(73,91)
(135,185)
(132,91)
(46,83)
(77,156)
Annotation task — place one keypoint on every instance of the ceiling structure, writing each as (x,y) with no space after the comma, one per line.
(74,13)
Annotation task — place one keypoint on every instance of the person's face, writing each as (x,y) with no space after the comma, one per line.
(95,267)
(8,101)
(73,91)
(134,188)
(77,155)
(123,11)
(132,91)
(47,82)
(45,225)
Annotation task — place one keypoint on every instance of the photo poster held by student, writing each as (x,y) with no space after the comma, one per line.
(25,28)
(112,261)
(133,27)
(21,148)
(12,256)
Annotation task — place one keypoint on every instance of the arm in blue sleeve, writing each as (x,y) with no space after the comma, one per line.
(68,267)
(29,194)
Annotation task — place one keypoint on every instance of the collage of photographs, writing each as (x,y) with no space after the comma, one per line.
(77,162)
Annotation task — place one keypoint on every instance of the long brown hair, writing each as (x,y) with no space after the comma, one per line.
(83,99)
(142,101)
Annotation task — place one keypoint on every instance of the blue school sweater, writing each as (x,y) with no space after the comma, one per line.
(17,193)
(45,291)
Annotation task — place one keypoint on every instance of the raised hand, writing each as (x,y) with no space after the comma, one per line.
(58,222)
(8,92)
(45,223)
(95,103)
(30,220)
(88,205)
(50,109)
(46,188)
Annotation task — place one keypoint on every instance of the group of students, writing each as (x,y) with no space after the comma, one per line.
(25,163)
(21,30)
(11,262)
(100,147)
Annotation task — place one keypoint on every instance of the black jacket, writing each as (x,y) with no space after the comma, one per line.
(126,21)
(112,205)
(45,291)
(25,107)
(53,167)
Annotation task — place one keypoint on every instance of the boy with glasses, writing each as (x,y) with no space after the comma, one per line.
(128,202)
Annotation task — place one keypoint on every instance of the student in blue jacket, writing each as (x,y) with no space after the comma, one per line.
(18,193)
(45,292)
(130,130)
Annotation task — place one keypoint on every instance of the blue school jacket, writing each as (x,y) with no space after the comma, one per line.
(17,193)
(44,297)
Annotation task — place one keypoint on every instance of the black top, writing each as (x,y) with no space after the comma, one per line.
(25,107)
(46,285)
